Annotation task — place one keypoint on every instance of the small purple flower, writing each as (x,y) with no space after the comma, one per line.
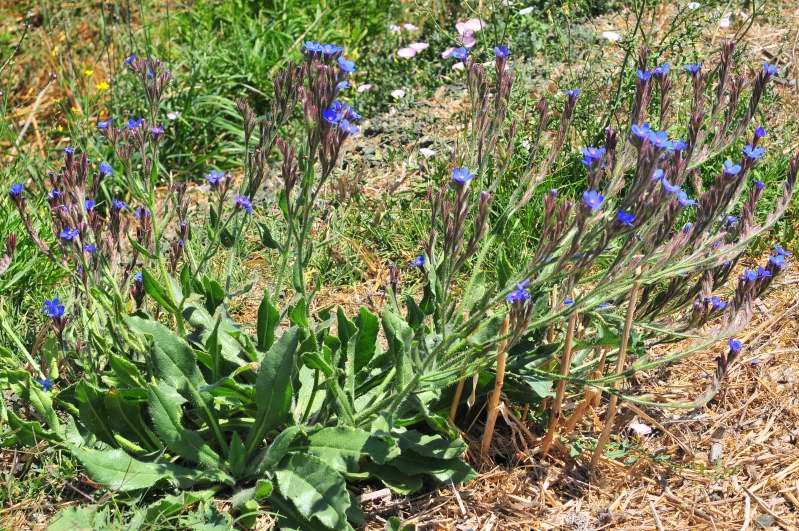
(133,123)
(55,193)
(16,190)
(342,85)
(658,175)
(670,188)
(53,308)
(68,233)
(129,59)
(501,51)
(460,53)
(762,272)
(777,261)
(769,69)
(684,200)
(717,303)
(418,261)
(69,150)
(759,184)
(750,275)
(348,128)
(46,383)
(105,169)
(661,70)
(520,294)
(643,75)
(103,124)
(693,68)
(553,193)
(735,345)
(89,248)
(141,212)
(687,227)
(780,251)
(568,302)
(592,155)
(760,132)
(679,145)
(243,202)
(641,131)
(625,218)
(214,177)
(118,204)
(156,130)
(138,278)
(572,93)
(462,175)
(331,49)
(731,220)
(593,199)
(89,204)
(730,168)
(755,362)
(660,140)
(753,153)
(312,47)
(345,65)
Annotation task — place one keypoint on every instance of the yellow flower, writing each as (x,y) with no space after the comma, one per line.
(59,128)
(88,72)
(102,86)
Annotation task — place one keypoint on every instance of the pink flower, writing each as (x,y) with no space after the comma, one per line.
(393,28)
(468,39)
(418,46)
(409,27)
(364,88)
(473,24)
(406,53)
(446,53)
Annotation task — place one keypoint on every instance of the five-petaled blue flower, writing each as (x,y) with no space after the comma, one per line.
(780,251)
(750,275)
(133,123)
(103,124)
(684,200)
(462,175)
(118,204)
(312,47)
(243,202)
(572,93)
(717,303)
(643,75)
(137,277)
(642,131)
(670,188)
(760,132)
(520,294)
(348,128)
(730,168)
(753,153)
(777,260)
(679,145)
(68,233)
(658,175)
(214,177)
(693,68)
(735,345)
(418,261)
(759,184)
(16,190)
(105,168)
(331,49)
(345,65)
(593,199)
(46,383)
(625,218)
(763,273)
(89,204)
(53,308)
(501,51)
(89,248)
(661,70)
(592,155)
(129,59)
(69,150)
(769,69)
(460,53)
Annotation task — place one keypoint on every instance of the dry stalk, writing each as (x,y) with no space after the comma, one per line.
(565,366)
(493,404)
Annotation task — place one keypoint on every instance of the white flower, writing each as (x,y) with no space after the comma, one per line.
(419,46)
(393,28)
(427,152)
(458,66)
(398,93)
(173,115)
(406,53)
(526,10)
(410,27)
(694,5)
(364,88)
(725,21)
(612,36)
(640,429)
(526,144)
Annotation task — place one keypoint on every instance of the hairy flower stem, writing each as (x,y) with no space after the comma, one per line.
(493,404)
(557,405)
(611,413)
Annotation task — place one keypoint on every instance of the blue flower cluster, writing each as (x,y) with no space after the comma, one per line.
(659,139)
(592,155)
(520,294)
(341,115)
(324,49)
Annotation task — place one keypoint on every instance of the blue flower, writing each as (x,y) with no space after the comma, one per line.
(342,85)
(572,93)
(693,68)
(118,204)
(103,124)
(418,261)
(753,153)
(759,184)
(16,190)
(661,70)
(462,175)
(68,233)
(46,383)
(312,47)
(730,168)
(89,248)
(347,128)
(133,123)
(625,218)
(520,294)
(717,303)
(592,155)
(679,145)
(750,275)
(129,59)
(658,175)
(763,273)
(568,302)
(641,131)
(593,199)
(687,227)
(643,75)
(141,212)
(243,202)
(684,200)
(137,277)
(501,51)
(345,65)
(69,150)
(780,251)
(732,220)
(214,177)
(777,260)
(735,345)
(769,69)
(331,49)
(106,169)
(460,53)
(89,204)
(156,130)
(660,140)
(53,308)
(760,132)
(55,193)
(670,188)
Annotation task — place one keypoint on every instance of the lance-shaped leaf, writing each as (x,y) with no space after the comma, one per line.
(268,319)
(400,337)
(343,447)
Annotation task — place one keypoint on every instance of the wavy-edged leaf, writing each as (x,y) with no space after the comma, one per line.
(343,447)
(278,449)
(268,319)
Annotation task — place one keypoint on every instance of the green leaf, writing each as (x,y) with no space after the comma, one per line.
(343,447)
(266,237)
(93,414)
(430,445)
(204,324)
(443,470)
(237,456)
(170,505)
(85,518)
(166,411)
(126,372)
(278,449)
(214,294)
(118,471)
(125,417)
(394,479)
(298,314)
(268,319)
(366,338)
(317,491)
(399,336)
(158,292)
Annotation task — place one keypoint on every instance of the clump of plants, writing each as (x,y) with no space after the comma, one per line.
(145,377)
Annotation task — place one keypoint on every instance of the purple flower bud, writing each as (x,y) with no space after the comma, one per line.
(418,261)
(593,199)
(572,93)
(759,184)
(105,169)
(103,124)
(687,227)
(118,204)
(214,178)
(137,277)
(731,220)
(769,69)
(55,193)
(568,302)
(129,59)
(156,130)
(69,150)
(16,190)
